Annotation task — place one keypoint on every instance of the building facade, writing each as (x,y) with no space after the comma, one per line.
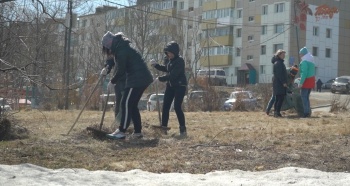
(241,36)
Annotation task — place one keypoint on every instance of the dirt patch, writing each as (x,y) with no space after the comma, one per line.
(216,141)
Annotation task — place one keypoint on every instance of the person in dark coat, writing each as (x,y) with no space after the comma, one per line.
(138,77)
(176,83)
(273,97)
(319,85)
(279,81)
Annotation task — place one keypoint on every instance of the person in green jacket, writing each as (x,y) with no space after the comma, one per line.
(307,79)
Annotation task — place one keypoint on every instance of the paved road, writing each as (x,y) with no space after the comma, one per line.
(328,96)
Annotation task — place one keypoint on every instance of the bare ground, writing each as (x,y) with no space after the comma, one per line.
(216,141)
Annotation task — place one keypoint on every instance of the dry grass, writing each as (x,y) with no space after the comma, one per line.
(216,141)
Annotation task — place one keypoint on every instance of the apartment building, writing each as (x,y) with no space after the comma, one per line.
(241,36)
(260,27)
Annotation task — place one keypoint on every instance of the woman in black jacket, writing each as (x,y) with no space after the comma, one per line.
(175,86)
(279,81)
(130,65)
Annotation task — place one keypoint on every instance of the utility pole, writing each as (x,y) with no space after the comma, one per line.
(67,72)
(209,92)
(296,30)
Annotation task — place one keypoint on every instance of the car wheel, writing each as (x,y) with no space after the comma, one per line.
(333,91)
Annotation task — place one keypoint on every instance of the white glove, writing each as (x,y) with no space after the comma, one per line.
(300,85)
(110,87)
(103,72)
(153,62)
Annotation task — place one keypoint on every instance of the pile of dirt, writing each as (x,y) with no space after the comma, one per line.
(11,131)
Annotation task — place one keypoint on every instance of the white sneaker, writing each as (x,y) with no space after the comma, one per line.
(116,135)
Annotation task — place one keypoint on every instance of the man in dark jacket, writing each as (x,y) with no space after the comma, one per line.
(175,86)
(279,81)
(129,63)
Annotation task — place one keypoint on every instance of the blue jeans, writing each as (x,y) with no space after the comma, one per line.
(271,103)
(305,94)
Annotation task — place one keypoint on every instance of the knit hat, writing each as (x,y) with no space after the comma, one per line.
(107,40)
(303,51)
(294,70)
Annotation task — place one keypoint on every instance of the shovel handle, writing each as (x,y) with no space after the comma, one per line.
(93,90)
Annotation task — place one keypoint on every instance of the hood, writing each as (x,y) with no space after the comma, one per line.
(273,59)
(172,47)
(308,57)
(119,41)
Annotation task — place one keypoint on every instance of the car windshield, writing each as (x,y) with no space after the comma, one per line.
(202,73)
(196,95)
(240,95)
(342,80)
(154,97)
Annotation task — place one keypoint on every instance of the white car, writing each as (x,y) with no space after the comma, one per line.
(152,102)
(5,108)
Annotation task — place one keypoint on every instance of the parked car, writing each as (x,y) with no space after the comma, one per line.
(4,105)
(217,76)
(240,97)
(328,84)
(341,84)
(152,102)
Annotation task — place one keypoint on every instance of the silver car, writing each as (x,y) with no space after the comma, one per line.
(341,84)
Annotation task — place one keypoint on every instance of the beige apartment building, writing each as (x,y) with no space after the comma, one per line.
(260,27)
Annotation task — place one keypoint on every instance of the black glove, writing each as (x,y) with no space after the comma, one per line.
(162,78)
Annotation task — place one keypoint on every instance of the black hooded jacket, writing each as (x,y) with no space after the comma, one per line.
(175,68)
(129,63)
(280,77)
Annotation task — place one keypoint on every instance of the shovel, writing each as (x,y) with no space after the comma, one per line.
(99,132)
(163,129)
(93,90)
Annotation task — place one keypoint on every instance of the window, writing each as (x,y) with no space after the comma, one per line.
(264,9)
(239,13)
(200,2)
(182,5)
(315,31)
(250,38)
(83,37)
(328,52)
(251,18)
(263,49)
(262,69)
(239,32)
(264,30)
(251,0)
(279,7)
(238,52)
(279,28)
(249,57)
(328,33)
(190,9)
(83,24)
(315,51)
(277,46)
